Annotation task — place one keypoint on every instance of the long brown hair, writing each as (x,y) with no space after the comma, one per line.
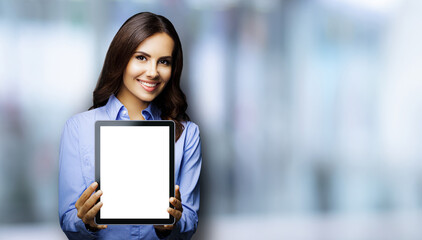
(172,100)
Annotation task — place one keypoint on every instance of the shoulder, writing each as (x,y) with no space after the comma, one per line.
(84,118)
(190,141)
(191,132)
(190,127)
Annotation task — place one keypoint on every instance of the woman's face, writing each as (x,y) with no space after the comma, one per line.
(149,68)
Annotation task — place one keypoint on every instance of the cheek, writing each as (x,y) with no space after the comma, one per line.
(133,70)
(166,75)
(127,78)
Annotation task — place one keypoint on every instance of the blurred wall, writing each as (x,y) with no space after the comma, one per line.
(309,111)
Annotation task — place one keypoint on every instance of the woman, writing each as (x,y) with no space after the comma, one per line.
(140,80)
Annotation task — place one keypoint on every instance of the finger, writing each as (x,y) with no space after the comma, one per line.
(176,203)
(175,213)
(85,195)
(177,194)
(101,226)
(158,227)
(89,203)
(89,216)
(163,227)
(98,226)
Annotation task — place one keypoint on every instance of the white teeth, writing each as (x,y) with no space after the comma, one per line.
(149,84)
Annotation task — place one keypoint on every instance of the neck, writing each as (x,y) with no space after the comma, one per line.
(133,104)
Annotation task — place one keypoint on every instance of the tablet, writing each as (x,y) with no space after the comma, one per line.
(134,167)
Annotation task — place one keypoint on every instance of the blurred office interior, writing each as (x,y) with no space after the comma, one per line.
(310,111)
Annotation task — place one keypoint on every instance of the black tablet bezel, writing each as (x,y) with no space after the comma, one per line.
(147,221)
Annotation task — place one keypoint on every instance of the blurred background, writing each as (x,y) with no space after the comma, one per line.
(310,111)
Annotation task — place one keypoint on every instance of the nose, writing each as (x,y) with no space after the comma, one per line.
(152,70)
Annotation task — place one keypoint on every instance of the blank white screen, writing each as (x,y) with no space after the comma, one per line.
(134,171)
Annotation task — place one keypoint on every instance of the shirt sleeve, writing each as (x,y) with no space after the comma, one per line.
(189,184)
(71,183)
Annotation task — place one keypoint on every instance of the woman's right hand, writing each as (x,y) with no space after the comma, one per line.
(87,209)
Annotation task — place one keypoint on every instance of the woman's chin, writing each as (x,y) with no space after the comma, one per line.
(146,97)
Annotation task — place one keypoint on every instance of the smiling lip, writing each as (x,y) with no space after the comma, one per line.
(148,85)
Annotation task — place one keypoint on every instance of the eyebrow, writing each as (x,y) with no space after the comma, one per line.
(146,54)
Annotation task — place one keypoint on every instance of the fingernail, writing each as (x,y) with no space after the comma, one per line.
(99,192)
(169,209)
(94,184)
(171,199)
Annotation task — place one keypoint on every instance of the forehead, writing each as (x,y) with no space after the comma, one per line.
(158,45)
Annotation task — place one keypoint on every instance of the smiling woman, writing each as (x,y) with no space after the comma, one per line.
(126,45)
(140,80)
(146,74)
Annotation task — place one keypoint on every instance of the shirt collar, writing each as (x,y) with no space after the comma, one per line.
(116,110)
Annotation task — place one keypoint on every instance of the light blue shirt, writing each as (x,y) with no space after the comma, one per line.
(77,172)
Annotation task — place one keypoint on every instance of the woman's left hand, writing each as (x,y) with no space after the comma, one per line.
(176,201)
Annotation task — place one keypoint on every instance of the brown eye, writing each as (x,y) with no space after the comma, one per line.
(165,62)
(140,57)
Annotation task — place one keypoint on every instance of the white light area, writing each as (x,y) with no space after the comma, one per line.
(207,71)
(400,111)
(134,172)
(7,59)
(3,44)
(55,63)
(383,6)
